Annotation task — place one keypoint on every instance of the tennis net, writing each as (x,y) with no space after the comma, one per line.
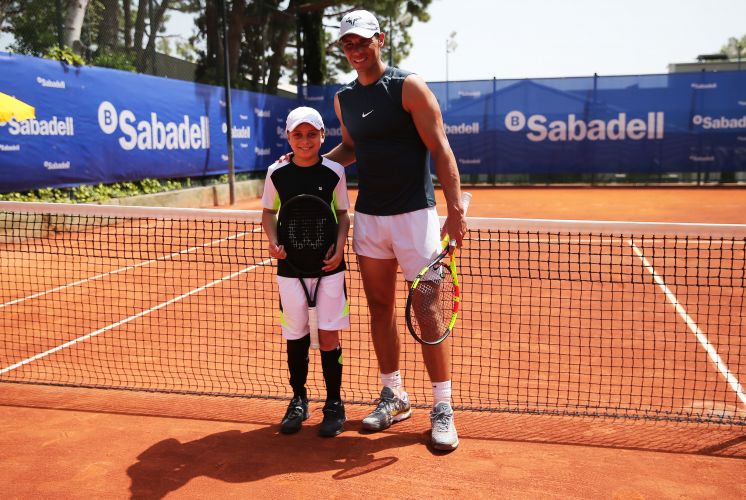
(637,320)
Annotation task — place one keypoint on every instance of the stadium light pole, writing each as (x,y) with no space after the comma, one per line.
(450,47)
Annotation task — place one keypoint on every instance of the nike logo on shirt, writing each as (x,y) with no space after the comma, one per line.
(366,114)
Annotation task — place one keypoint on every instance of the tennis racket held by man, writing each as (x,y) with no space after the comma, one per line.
(435,294)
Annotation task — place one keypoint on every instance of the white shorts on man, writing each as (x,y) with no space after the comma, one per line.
(412,238)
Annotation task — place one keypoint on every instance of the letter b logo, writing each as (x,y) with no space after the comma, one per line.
(107,117)
(515,121)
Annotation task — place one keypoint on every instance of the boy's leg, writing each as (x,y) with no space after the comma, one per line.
(298,364)
(294,314)
(333,312)
(297,410)
(331,365)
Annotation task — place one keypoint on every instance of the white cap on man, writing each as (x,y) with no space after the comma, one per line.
(359,22)
(304,114)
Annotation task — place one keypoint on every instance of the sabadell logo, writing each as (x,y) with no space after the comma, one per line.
(153,133)
(719,122)
(573,128)
(62,126)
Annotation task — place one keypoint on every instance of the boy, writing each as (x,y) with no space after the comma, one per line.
(306,172)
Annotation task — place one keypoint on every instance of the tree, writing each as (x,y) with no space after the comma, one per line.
(32,25)
(735,48)
(74,16)
(108,31)
(267,40)
(271,35)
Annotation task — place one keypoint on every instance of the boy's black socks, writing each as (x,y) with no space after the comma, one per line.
(331,365)
(298,364)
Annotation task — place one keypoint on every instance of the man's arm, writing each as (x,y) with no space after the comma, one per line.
(344,152)
(420,102)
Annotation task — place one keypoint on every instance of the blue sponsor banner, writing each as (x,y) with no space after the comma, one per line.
(100,125)
(690,122)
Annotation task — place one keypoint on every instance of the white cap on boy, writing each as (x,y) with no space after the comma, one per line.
(304,114)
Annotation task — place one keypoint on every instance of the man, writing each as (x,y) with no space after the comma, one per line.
(390,120)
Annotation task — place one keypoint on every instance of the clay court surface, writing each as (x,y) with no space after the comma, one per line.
(62,442)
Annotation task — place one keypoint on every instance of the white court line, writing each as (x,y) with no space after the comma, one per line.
(701,337)
(131,318)
(122,269)
(714,243)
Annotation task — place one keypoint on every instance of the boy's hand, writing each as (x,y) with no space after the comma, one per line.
(277,251)
(333,259)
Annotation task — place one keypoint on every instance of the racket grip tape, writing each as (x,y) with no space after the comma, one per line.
(313,324)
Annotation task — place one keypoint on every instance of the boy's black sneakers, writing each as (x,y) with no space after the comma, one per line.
(334,419)
(297,412)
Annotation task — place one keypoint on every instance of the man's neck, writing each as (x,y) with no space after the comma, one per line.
(371,75)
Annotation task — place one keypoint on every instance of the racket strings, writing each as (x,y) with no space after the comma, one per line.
(433,303)
(307,233)
(307,229)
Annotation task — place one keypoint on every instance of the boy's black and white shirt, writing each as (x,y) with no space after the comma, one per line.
(326,179)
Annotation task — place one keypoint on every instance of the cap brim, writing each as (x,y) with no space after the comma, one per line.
(301,122)
(363,32)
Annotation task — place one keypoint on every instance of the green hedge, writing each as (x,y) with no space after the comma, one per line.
(103,192)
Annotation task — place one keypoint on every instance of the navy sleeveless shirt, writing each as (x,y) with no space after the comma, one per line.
(391,158)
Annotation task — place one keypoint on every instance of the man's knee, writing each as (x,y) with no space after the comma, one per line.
(380,307)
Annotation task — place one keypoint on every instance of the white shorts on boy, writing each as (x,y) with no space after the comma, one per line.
(332,307)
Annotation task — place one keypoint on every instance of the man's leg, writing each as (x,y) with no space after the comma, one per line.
(429,315)
(438,363)
(379,282)
(413,252)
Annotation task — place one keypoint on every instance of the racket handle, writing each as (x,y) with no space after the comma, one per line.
(313,325)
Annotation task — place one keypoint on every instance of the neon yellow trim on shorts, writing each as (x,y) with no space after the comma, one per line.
(282,319)
(276,204)
(339,359)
